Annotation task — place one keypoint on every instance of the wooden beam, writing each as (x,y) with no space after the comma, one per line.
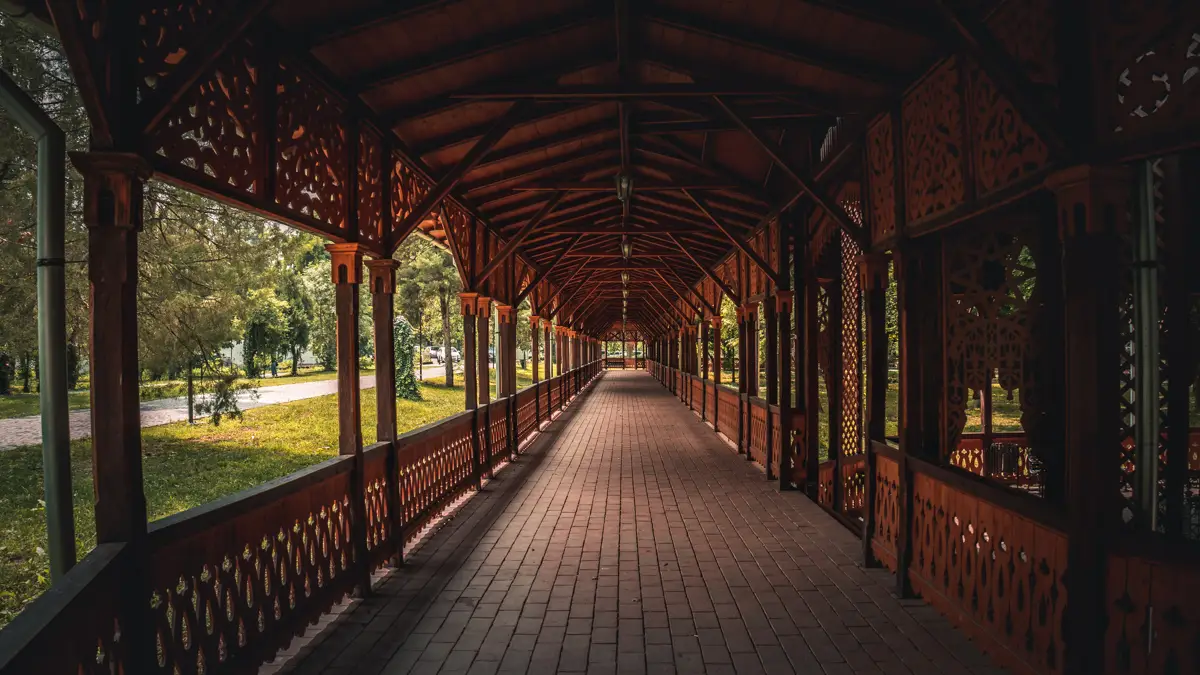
(607,92)
(683,295)
(707,272)
(593,131)
(448,182)
(467,134)
(543,272)
(516,240)
(570,297)
(216,40)
(474,48)
(363,19)
(737,241)
(884,13)
(610,186)
(792,50)
(591,159)
(561,287)
(806,183)
(1010,78)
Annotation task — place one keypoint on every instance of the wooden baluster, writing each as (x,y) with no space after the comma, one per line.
(469,302)
(483,315)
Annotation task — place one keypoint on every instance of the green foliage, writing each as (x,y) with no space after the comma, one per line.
(266,331)
(323,321)
(297,316)
(427,284)
(223,401)
(406,379)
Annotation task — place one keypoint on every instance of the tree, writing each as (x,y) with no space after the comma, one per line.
(427,272)
(406,380)
(266,332)
(297,316)
(323,329)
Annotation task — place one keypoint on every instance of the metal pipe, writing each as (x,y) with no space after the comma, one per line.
(52,320)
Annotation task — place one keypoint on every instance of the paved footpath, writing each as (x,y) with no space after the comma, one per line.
(19,431)
(631,539)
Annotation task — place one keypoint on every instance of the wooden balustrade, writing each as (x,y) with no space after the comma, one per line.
(73,627)
(757,445)
(233,581)
(727,412)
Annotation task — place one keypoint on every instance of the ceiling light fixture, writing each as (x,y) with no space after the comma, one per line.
(626,247)
(624,186)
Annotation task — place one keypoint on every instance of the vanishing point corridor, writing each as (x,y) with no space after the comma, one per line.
(630,538)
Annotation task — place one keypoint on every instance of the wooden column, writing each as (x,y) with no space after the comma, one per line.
(1092,203)
(534,333)
(783,313)
(347,269)
(483,332)
(506,351)
(743,388)
(468,301)
(773,356)
(873,281)
(112,211)
(811,387)
(382,275)
(750,317)
(546,358)
(705,337)
(716,369)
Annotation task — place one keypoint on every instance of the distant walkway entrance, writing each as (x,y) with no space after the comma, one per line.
(630,538)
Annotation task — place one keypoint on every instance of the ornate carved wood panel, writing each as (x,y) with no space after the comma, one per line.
(1003,146)
(999,575)
(435,469)
(1148,74)
(881,177)
(1026,30)
(370,187)
(886,510)
(934,143)
(216,131)
(851,346)
(227,597)
(167,33)
(311,150)
(376,513)
(991,304)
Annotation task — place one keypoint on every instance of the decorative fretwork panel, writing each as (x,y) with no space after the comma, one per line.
(216,130)
(1000,575)
(376,510)
(1154,617)
(1148,75)
(933,143)
(435,469)
(851,350)
(854,486)
(312,152)
(526,417)
(886,516)
(498,432)
(227,598)
(990,305)
(825,478)
(370,186)
(1004,147)
(881,166)
(168,31)
(757,441)
(408,189)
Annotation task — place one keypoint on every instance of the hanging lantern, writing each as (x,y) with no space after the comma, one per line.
(625,293)
(624,186)
(626,246)
(624,278)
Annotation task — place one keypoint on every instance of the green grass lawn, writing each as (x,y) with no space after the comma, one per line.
(184,466)
(22,405)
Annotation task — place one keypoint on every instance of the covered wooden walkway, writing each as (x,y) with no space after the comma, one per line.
(631,538)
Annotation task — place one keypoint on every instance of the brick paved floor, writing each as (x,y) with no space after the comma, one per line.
(632,539)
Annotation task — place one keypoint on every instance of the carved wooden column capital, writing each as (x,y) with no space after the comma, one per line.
(346,262)
(382,273)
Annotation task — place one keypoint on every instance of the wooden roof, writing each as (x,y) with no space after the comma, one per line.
(521,114)
(614,85)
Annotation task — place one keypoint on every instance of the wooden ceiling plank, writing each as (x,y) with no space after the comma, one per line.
(365,19)
(483,45)
(791,50)
(708,272)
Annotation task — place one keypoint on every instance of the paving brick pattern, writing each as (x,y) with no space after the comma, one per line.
(632,539)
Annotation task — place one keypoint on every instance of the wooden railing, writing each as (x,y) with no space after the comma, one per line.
(230,583)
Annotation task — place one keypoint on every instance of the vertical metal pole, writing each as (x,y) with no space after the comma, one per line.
(52,320)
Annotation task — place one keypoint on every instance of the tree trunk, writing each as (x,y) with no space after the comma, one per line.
(26,370)
(446,350)
(295,359)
